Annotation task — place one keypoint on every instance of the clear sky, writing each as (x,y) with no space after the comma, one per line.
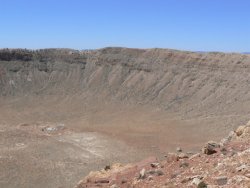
(198,25)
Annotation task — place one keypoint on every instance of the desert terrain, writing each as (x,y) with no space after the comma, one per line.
(64,112)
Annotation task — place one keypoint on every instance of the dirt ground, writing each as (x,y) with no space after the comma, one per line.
(44,141)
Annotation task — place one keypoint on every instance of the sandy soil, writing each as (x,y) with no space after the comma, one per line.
(44,141)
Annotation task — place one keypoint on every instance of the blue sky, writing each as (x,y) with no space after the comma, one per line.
(198,25)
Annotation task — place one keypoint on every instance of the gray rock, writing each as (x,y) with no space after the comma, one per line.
(159,172)
(155,172)
(210,148)
(202,184)
(221,180)
(184,164)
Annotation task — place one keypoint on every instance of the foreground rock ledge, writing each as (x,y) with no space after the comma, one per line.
(224,164)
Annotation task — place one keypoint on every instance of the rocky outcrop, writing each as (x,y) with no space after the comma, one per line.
(225,165)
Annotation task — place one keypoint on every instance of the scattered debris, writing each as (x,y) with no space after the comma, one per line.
(53,128)
(217,165)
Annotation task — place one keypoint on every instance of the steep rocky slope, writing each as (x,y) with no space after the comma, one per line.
(189,84)
(224,164)
(206,89)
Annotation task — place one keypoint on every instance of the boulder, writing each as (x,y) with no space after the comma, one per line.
(210,148)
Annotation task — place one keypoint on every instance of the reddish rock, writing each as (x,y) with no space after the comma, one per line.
(200,170)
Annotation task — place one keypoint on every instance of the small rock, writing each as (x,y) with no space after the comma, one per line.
(202,184)
(197,176)
(199,183)
(124,181)
(221,180)
(154,165)
(178,149)
(182,156)
(24,125)
(114,186)
(241,168)
(247,175)
(232,153)
(173,176)
(223,151)
(184,164)
(185,180)
(50,129)
(60,126)
(20,144)
(239,131)
(226,140)
(219,166)
(210,148)
(195,156)
(155,172)
(196,181)
(248,123)
(107,167)
(213,143)
(102,180)
(142,174)
(240,179)
(150,178)
(171,157)
(231,135)
(159,172)
(152,172)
